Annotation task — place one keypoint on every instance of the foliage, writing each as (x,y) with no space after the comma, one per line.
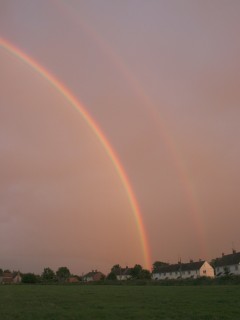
(29,278)
(144,274)
(103,277)
(48,275)
(136,271)
(157,264)
(63,274)
(213,262)
(115,268)
(111,276)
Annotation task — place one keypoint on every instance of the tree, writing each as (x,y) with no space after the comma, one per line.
(29,278)
(157,264)
(136,271)
(145,274)
(63,274)
(48,275)
(111,276)
(115,269)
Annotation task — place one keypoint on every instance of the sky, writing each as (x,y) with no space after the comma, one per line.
(161,80)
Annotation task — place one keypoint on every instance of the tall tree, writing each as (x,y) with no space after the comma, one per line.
(136,271)
(144,274)
(48,275)
(115,268)
(63,274)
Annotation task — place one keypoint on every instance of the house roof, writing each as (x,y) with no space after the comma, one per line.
(92,273)
(7,277)
(227,260)
(7,274)
(123,271)
(180,267)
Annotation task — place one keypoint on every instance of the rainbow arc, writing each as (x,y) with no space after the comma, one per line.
(75,103)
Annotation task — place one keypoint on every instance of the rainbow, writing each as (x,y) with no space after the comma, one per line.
(194,208)
(75,103)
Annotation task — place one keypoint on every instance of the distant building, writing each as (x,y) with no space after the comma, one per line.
(123,273)
(228,264)
(184,271)
(17,278)
(73,279)
(94,275)
(7,277)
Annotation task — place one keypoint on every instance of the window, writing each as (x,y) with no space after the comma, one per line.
(236,267)
(189,272)
(204,271)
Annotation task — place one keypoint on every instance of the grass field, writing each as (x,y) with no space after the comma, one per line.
(118,302)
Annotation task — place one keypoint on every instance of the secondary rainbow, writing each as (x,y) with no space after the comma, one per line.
(68,95)
(194,208)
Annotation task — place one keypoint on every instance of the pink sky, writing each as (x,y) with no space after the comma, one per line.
(161,78)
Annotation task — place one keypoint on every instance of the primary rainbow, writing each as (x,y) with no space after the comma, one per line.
(68,95)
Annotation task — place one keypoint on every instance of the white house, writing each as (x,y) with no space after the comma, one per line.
(184,271)
(123,273)
(228,264)
(17,278)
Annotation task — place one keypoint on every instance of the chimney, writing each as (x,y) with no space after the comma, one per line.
(223,254)
(234,251)
(191,261)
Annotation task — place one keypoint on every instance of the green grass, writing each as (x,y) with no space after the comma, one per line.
(118,302)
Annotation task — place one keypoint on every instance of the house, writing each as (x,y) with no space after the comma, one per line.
(17,278)
(73,279)
(94,275)
(228,264)
(184,271)
(7,277)
(123,273)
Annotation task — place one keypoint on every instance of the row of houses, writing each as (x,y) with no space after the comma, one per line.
(226,265)
(184,270)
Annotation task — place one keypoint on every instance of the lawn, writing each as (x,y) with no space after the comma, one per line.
(118,302)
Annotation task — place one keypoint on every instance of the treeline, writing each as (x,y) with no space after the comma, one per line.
(137,272)
(48,275)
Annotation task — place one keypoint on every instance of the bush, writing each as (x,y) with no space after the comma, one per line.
(29,278)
